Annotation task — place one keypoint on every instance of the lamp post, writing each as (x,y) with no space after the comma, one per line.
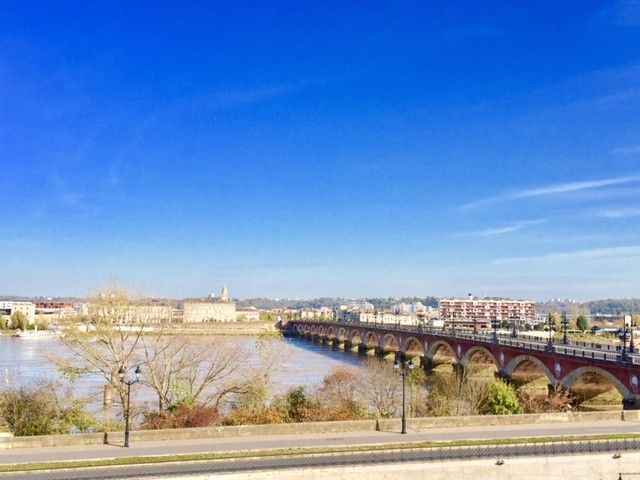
(514,332)
(494,323)
(128,383)
(565,327)
(624,342)
(403,368)
(475,325)
(549,337)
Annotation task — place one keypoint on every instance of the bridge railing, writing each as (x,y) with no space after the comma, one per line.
(572,349)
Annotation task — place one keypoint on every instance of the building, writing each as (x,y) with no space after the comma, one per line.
(28,309)
(470,311)
(51,310)
(146,312)
(347,314)
(322,313)
(214,309)
(249,314)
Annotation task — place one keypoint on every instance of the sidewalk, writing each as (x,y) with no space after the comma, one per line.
(237,444)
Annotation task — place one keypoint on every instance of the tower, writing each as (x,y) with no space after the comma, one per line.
(224,296)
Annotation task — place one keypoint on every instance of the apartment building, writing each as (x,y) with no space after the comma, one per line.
(465,312)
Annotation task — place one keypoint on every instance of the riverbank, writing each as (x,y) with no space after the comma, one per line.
(226,328)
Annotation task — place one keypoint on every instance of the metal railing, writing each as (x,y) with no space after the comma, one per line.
(582,350)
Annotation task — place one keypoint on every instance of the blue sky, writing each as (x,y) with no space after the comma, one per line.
(302,149)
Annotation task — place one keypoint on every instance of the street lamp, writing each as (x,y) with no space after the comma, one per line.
(549,337)
(565,327)
(475,325)
(403,368)
(514,332)
(128,383)
(495,329)
(624,342)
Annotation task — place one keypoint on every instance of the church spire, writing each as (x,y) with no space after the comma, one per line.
(224,296)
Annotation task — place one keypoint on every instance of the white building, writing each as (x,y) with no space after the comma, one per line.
(28,309)
(215,309)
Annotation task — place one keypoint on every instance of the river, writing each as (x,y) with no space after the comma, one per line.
(26,362)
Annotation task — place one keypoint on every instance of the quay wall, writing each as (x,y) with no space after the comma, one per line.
(583,467)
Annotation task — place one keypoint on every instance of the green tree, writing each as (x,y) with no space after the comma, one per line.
(582,323)
(19,320)
(294,405)
(501,400)
(44,410)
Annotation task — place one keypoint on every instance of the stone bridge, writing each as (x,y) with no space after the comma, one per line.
(516,358)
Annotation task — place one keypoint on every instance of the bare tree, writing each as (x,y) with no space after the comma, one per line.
(107,341)
(381,388)
(189,370)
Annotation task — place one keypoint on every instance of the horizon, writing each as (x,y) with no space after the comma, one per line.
(327,150)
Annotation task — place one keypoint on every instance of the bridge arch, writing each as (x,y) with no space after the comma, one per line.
(479,355)
(342,334)
(321,331)
(371,340)
(355,338)
(413,347)
(527,361)
(390,343)
(570,380)
(439,346)
(331,332)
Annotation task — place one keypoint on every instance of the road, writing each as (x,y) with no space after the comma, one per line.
(30,455)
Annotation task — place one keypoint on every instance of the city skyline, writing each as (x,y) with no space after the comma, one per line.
(339,150)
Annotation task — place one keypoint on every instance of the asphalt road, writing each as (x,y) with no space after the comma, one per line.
(299,462)
(30,455)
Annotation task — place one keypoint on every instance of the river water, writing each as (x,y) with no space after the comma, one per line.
(27,362)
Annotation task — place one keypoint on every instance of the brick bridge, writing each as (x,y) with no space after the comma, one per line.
(561,364)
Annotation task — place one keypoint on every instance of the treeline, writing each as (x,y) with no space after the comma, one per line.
(344,394)
(609,306)
(331,302)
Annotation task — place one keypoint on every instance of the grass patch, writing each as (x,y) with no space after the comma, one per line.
(281,452)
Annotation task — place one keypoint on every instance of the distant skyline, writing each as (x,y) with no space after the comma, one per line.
(298,149)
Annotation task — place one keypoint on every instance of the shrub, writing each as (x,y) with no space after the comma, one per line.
(183,416)
(559,400)
(501,400)
(44,410)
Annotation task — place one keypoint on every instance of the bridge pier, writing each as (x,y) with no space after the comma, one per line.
(427,364)
(366,350)
(631,403)
(352,347)
(390,355)
(459,368)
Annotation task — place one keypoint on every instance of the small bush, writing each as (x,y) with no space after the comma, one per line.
(183,416)
(501,400)
(44,410)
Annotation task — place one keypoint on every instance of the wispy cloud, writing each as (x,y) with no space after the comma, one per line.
(623,12)
(557,189)
(621,212)
(240,97)
(514,227)
(66,194)
(630,251)
(630,150)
